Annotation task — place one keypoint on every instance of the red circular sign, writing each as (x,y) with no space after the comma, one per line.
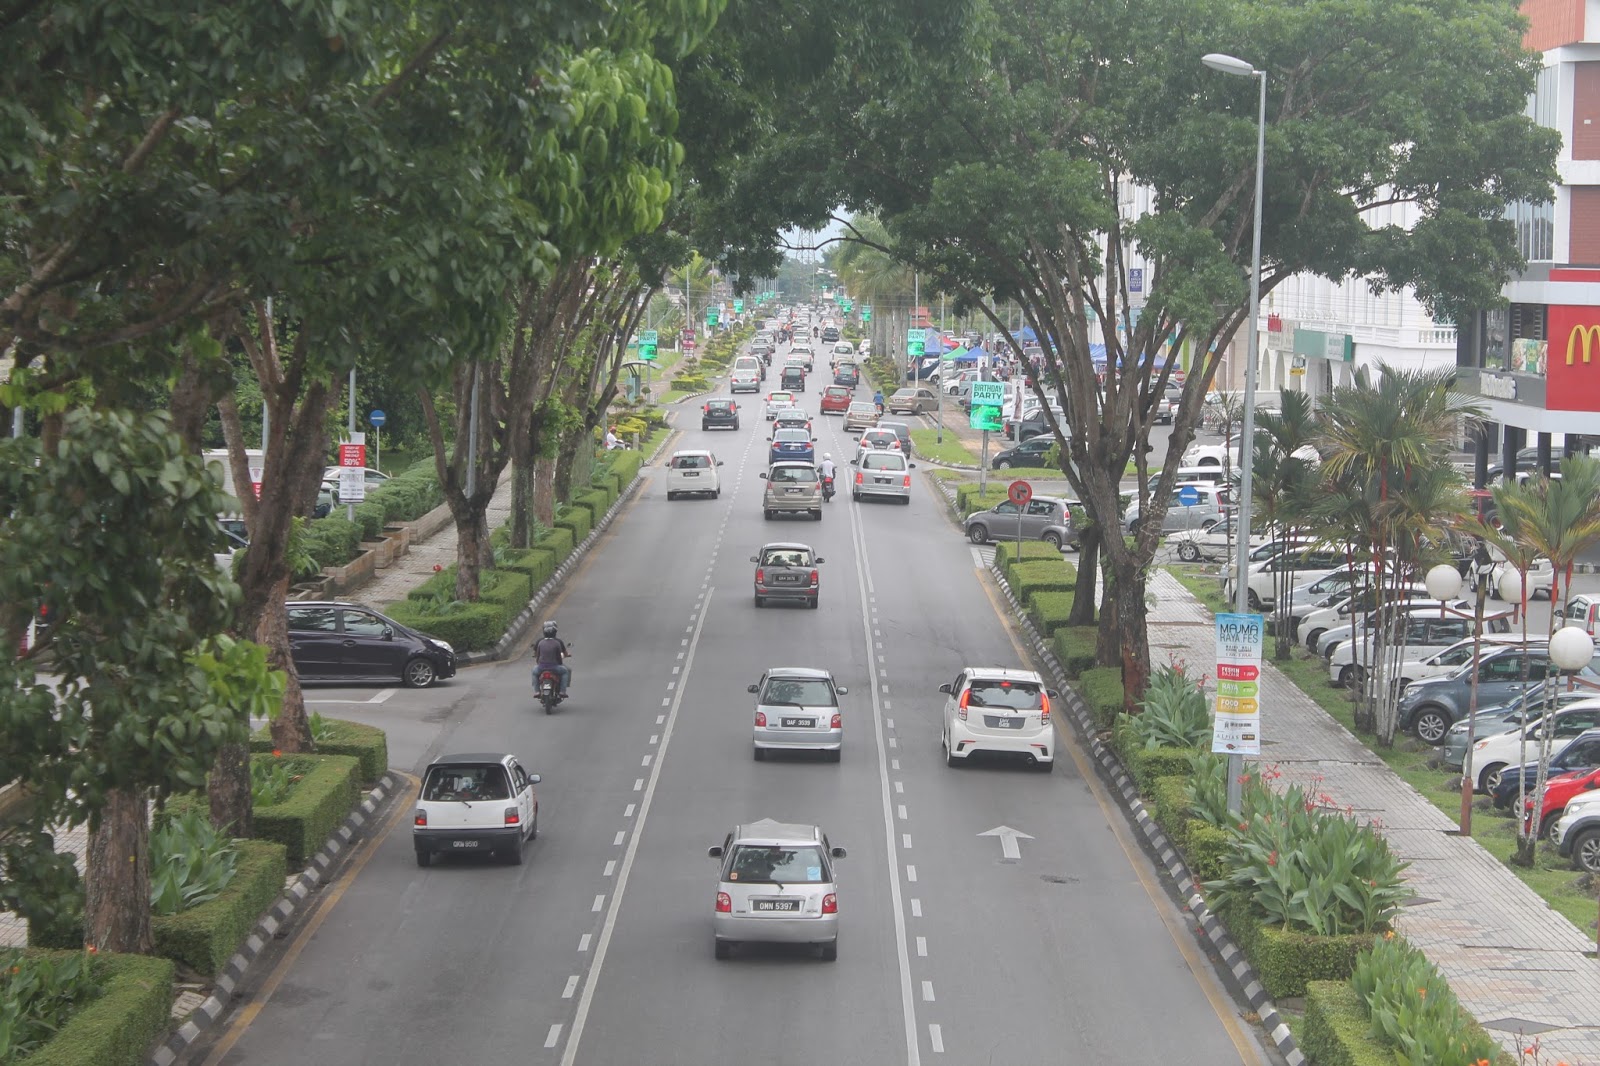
(1179,376)
(1019,492)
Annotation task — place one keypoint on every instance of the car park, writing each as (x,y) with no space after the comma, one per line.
(997,711)
(836,399)
(1541,578)
(693,473)
(797,709)
(882,473)
(1191,506)
(719,414)
(860,416)
(1457,655)
(1427,630)
(1577,833)
(792,444)
(1030,452)
(1429,706)
(777,401)
(792,488)
(878,438)
(1022,429)
(1046,518)
(331,641)
(1302,564)
(1580,753)
(475,803)
(776,885)
(911,401)
(1492,754)
(1216,542)
(787,571)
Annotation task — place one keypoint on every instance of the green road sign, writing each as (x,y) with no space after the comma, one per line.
(986,416)
(738,307)
(713,316)
(914,342)
(988,394)
(866,312)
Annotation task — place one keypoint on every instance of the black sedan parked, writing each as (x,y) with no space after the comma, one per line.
(1030,452)
(348,642)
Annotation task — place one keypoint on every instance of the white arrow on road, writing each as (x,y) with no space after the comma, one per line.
(1008,840)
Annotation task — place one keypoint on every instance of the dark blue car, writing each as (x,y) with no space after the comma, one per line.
(1581,753)
(792,445)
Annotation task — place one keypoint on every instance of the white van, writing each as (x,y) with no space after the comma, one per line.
(1583,611)
(693,473)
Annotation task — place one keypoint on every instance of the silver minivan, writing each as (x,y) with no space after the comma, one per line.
(792,487)
(776,885)
(881,472)
(797,709)
(1191,506)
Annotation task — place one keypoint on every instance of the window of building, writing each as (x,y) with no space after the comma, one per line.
(1542,102)
(1536,229)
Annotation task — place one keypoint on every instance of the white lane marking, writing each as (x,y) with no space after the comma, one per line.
(901,811)
(936,1037)
(922,947)
(666,701)
(572,986)
(911,872)
(908,1006)
(894,764)
(599,903)
(888,723)
(554,1036)
(916,908)
(675,670)
(608,927)
(685,642)
(381,697)
(645,761)
(627,812)
(622,835)
(887,705)
(900,786)
(680,655)
(661,717)
(583,942)
(611,867)
(905,841)
(653,739)
(927,991)
(638,783)
(893,743)
(672,684)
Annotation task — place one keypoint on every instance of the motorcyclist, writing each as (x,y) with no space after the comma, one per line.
(549,652)
(877,399)
(826,468)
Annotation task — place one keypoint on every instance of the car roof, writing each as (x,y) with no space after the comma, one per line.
(767,831)
(863,403)
(787,545)
(798,671)
(471,756)
(692,451)
(794,462)
(1002,673)
(331,603)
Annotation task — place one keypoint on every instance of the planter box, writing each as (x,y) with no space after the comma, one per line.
(120,1027)
(430,523)
(368,744)
(401,535)
(355,572)
(204,938)
(382,552)
(320,588)
(313,810)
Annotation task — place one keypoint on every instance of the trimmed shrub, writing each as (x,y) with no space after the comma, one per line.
(606,478)
(598,501)
(332,541)
(626,464)
(1148,765)
(314,808)
(537,563)
(204,938)
(969,499)
(1075,647)
(1205,846)
(508,588)
(1336,1031)
(368,744)
(1026,578)
(1102,691)
(439,587)
(1285,960)
(577,520)
(464,626)
(1169,805)
(1049,610)
(133,1010)
(557,540)
(1006,556)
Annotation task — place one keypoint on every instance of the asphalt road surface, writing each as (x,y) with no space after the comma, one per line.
(598,949)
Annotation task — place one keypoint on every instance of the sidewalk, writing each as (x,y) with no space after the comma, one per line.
(1520,968)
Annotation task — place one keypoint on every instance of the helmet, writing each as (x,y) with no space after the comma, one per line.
(550,629)
(828,456)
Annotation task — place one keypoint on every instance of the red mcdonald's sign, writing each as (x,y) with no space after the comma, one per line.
(1574,376)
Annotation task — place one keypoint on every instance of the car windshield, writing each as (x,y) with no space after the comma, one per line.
(883,461)
(805,691)
(466,782)
(791,436)
(793,473)
(786,557)
(1013,695)
(862,409)
(691,462)
(719,405)
(764,864)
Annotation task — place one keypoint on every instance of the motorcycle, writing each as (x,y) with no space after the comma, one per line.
(549,689)
(827,489)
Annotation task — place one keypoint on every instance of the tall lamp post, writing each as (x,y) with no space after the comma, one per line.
(1240,69)
(1444,583)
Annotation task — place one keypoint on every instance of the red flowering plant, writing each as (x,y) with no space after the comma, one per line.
(1174,710)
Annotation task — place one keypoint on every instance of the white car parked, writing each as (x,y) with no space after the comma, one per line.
(1213,543)
(693,473)
(1493,754)
(1541,579)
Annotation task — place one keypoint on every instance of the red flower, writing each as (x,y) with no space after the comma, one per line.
(276,754)
(1272,860)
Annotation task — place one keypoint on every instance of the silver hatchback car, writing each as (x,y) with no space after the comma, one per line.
(882,473)
(776,886)
(792,487)
(797,709)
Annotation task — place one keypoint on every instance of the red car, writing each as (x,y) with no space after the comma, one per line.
(836,399)
(1557,791)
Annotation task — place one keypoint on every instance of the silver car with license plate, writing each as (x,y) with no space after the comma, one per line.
(792,487)
(776,885)
(787,571)
(882,473)
(797,709)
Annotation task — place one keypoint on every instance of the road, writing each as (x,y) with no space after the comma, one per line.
(598,949)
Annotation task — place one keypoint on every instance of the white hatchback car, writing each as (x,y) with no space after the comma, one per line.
(777,401)
(776,885)
(1003,711)
(693,473)
(475,803)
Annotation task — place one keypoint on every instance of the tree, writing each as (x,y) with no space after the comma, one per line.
(1284,485)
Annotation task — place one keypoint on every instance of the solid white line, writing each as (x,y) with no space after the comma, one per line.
(583,942)
(608,927)
(935,1037)
(572,986)
(907,1003)
(554,1035)
(916,908)
(922,947)
(599,903)
(627,812)
(927,991)
(622,834)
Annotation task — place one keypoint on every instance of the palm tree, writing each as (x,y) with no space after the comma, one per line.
(1282,484)
(1559,519)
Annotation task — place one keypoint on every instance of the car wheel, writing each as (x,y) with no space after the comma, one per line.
(766,513)
(949,756)
(813,604)
(533,834)
(835,755)
(671,495)
(735,423)
(1188,552)
(856,496)
(1348,675)
(1586,851)
(717,493)
(1430,725)
(1489,778)
(721,948)
(759,601)
(514,856)
(1547,827)
(705,426)
(1494,590)
(1003,464)
(817,515)
(761,754)
(1045,767)
(978,534)
(1254,601)
(1054,540)
(830,952)
(419,673)
(424,858)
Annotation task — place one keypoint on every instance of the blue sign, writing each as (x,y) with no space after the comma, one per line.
(1188,495)
(377,418)
(1136,279)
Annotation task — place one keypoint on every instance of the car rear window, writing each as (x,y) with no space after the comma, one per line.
(863,409)
(1013,695)
(719,405)
(786,557)
(466,782)
(794,474)
(789,435)
(838,390)
(883,461)
(691,462)
(806,691)
(766,865)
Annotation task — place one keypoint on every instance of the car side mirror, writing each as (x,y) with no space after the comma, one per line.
(715,851)
(1052,693)
(721,463)
(837,853)
(755,558)
(388,632)
(820,560)
(763,477)
(945,688)
(752,688)
(534,779)
(841,690)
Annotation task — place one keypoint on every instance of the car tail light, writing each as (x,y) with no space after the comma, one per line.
(761,719)
(830,904)
(858,477)
(908,481)
(815,577)
(761,575)
(837,722)
(724,903)
(961,707)
(421,817)
(1044,713)
(513,816)
(705,407)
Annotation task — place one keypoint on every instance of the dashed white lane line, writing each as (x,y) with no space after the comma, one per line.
(622,834)
(627,812)
(583,942)
(661,717)
(889,722)
(666,701)
(905,841)
(572,986)
(922,947)
(901,811)
(916,908)
(553,1036)
(911,872)
(927,991)
(645,761)
(894,764)
(599,903)
(655,738)
(900,786)
(936,1037)
(893,743)
(638,784)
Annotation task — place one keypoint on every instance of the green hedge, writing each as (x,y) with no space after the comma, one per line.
(607,479)
(1149,765)
(464,626)
(1006,556)
(368,744)
(598,501)
(1075,647)
(1206,849)
(968,499)
(626,464)
(511,589)
(403,498)
(537,563)
(1285,960)
(1102,691)
(332,541)
(315,806)
(1049,610)
(557,540)
(133,1011)
(1337,1031)
(1169,806)
(575,520)
(204,938)
(1027,578)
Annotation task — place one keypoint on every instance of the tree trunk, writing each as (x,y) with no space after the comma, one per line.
(565,453)
(544,491)
(291,730)
(1088,577)
(522,502)
(1130,633)
(117,876)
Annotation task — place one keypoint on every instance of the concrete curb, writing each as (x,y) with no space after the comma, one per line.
(215,1006)
(524,619)
(1171,862)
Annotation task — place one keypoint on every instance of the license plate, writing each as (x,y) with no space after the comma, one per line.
(995,722)
(883,480)
(463,843)
(786,579)
(691,473)
(798,723)
(795,492)
(775,905)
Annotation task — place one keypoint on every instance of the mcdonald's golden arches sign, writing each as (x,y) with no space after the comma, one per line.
(1574,377)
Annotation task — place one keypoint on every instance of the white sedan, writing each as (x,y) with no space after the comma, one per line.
(777,401)
(1541,579)
(1213,543)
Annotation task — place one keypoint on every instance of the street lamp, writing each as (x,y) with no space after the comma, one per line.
(1443,583)
(1239,68)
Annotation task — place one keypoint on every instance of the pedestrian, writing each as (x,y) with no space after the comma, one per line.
(612,443)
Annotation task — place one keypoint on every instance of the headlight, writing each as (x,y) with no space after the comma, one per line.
(445,645)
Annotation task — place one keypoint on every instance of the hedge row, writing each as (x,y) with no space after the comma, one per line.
(969,499)
(1102,690)
(403,498)
(1008,553)
(117,1028)
(1338,1030)
(315,806)
(1285,960)
(367,744)
(1075,648)
(204,938)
